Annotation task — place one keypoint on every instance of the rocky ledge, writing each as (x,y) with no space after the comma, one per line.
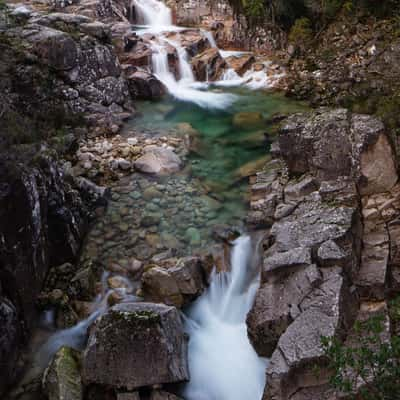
(330,201)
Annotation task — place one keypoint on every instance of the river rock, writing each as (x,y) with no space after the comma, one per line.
(248,120)
(158,160)
(135,345)
(177,285)
(143,85)
(62,378)
(209,65)
(241,63)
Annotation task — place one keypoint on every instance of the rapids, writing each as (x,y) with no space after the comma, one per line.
(222,363)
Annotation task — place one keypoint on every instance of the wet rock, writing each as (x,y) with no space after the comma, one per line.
(158,160)
(248,120)
(143,85)
(208,65)
(135,345)
(189,276)
(193,236)
(62,378)
(241,63)
(161,395)
(159,285)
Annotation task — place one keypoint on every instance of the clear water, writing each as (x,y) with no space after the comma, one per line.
(223,146)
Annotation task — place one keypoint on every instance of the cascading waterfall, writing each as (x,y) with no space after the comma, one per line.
(223,364)
(158,18)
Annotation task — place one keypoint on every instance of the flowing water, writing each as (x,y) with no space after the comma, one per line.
(227,122)
(222,363)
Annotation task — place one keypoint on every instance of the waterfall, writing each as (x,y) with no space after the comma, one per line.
(152,13)
(223,364)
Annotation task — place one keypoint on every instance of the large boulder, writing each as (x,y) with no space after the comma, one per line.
(333,143)
(158,160)
(135,345)
(143,85)
(177,285)
(209,65)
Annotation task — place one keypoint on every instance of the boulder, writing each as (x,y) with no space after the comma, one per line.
(333,143)
(158,160)
(143,85)
(248,120)
(135,345)
(241,63)
(177,285)
(62,378)
(209,65)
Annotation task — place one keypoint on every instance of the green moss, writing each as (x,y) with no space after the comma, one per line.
(301,33)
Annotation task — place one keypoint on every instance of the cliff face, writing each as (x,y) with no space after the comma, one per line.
(330,200)
(42,222)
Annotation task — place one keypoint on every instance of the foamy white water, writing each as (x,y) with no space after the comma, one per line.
(158,18)
(223,365)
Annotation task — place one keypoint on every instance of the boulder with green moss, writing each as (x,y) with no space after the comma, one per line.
(135,345)
(62,378)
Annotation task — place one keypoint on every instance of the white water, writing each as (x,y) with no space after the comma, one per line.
(223,364)
(158,20)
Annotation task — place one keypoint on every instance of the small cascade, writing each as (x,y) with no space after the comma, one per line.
(152,13)
(223,364)
(157,20)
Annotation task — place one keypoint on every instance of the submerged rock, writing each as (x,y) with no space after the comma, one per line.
(158,160)
(135,345)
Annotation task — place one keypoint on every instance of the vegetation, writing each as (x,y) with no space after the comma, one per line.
(371,364)
(285,13)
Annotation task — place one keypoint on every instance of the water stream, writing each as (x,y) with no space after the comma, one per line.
(228,120)
(223,365)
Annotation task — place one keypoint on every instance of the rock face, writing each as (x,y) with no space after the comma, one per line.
(42,222)
(135,345)
(336,169)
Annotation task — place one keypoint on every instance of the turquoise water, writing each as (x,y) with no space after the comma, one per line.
(223,146)
(176,215)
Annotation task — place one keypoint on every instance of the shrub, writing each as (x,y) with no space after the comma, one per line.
(301,33)
(374,362)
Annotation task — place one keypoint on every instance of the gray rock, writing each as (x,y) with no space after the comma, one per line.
(329,254)
(285,261)
(135,345)
(276,305)
(327,311)
(301,189)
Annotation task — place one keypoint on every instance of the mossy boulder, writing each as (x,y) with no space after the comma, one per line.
(62,378)
(135,345)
